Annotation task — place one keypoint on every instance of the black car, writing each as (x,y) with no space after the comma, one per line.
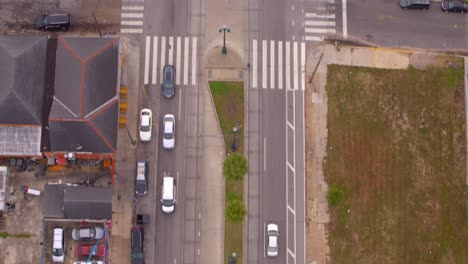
(141,180)
(137,256)
(54,21)
(415,4)
(168,86)
(454,6)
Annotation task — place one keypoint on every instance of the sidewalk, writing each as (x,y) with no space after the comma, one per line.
(123,196)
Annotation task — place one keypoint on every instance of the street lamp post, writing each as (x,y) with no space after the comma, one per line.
(235,129)
(224,29)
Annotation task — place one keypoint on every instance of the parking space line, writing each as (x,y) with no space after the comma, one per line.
(186,60)
(163,58)
(264,239)
(264,154)
(254,64)
(147,54)
(264,64)
(178,60)
(155,49)
(194,61)
(272,64)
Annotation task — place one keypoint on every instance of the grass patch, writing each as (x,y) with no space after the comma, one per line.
(228,98)
(18,235)
(396,165)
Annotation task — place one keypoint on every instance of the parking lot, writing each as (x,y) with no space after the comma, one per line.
(24,224)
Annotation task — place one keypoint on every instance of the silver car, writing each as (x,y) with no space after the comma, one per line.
(88,233)
(169,132)
(272,240)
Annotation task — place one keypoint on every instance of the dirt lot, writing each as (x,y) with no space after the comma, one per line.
(24,224)
(396,148)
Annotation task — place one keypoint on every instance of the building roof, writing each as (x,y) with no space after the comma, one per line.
(20,140)
(77,202)
(84,113)
(23,72)
(87,202)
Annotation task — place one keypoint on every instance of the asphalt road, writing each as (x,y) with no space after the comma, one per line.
(386,23)
(167,39)
(276,130)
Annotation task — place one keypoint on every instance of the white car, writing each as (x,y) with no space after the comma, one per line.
(146,117)
(169,131)
(272,240)
(58,247)
(168,195)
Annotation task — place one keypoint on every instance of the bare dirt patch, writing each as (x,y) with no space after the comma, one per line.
(396,146)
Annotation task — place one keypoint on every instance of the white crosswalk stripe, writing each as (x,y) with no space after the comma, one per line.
(159,52)
(319,20)
(282,64)
(131,20)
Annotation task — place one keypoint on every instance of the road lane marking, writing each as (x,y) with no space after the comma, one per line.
(147,54)
(254,64)
(153,65)
(288,65)
(171,51)
(315,15)
(312,38)
(131,30)
(319,23)
(177,184)
(295,59)
(345,20)
(290,208)
(290,125)
(264,154)
(290,167)
(180,101)
(292,254)
(319,30)
(178,60)
(131,15)
(303,57)
(163,58)
(194,61)
(280,64)
(131,23)
(132,7)
(272,64)
(264,240)
(303,173)
(186,59)
(264,64)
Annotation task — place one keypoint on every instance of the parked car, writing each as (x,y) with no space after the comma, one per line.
(86,250)
(454,6)
(136,254)
(415,4)
(141,180)
(58,247)
(168,195)
(54,21)
(168,86)
(169,131)
(146,117)
(88,233)
(89,262)
(272,240)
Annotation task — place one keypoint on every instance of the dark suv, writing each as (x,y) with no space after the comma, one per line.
(168,86)
(54,21)
(137,256)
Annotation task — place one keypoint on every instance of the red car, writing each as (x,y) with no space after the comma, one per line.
(85,250)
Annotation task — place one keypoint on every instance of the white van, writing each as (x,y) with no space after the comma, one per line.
(168,199)
(58,248)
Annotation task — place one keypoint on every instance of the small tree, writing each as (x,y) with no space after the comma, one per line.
(235,167)
(336,195)
(235,210)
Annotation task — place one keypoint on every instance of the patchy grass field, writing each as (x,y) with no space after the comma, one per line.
(396,152)
(228,98)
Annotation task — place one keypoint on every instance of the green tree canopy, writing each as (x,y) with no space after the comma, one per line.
(235,210)
(235,167)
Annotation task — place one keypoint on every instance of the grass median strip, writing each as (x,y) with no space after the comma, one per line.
(395,165)
(228,98)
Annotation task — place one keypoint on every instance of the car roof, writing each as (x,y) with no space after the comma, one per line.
(272,227)
(273,241)
(168,188)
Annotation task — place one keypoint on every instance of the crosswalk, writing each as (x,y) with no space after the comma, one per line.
(281,66)
(160,50)
(131,20)
(319,20)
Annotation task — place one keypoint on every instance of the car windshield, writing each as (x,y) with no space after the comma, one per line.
(57,252)
(168,135)
(168,202)
(86,233)
(145,128)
